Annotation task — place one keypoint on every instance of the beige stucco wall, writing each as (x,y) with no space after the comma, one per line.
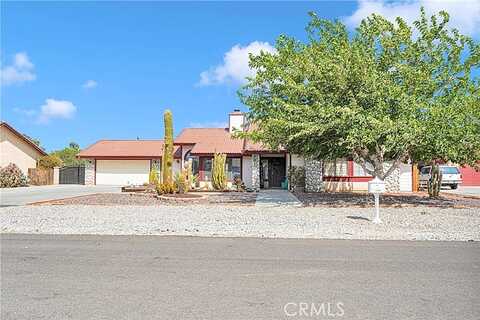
(17,151)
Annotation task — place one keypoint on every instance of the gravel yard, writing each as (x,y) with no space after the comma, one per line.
(404,223)
(149,199)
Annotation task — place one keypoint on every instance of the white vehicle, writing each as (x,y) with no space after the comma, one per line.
(450,176)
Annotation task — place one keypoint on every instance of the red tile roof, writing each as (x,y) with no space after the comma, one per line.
(210,140)
(146,149)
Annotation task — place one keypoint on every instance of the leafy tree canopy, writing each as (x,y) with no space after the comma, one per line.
(68,155)
(388,92)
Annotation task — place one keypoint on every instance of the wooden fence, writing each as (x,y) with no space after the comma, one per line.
(40,177)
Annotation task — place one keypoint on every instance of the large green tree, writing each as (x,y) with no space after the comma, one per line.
(68,155)
(387,92)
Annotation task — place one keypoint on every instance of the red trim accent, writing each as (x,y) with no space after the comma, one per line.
(125,157)
(210,155)
(251,152)
(184,143)
(347,179)
(350,168)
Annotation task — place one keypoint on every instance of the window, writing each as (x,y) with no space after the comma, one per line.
(358,170)
(449,170)
(207,169)
(425,170)
(233,168)
(337,168)
(195,162)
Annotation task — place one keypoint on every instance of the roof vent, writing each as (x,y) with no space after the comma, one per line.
(236,110)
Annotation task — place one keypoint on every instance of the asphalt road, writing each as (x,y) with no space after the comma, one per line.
(151,277)
(26,195)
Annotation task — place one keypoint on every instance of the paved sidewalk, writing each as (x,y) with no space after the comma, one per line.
(273,198)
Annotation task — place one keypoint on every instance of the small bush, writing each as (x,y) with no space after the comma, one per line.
(181,182)
(49,161)
(238,183)
(296,177)
(11,176)
(165,188)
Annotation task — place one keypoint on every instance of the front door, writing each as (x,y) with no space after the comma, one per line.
(276,172)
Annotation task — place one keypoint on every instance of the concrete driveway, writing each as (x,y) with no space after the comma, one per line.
(26,195)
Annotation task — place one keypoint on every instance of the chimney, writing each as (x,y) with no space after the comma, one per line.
(236,120)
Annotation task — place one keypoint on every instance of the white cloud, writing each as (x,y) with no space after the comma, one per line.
(90,84)
(21,70)
(235,65)
(464,15)
(208,124)
(60,109)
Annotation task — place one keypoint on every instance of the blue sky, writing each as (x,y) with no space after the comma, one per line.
(85,71)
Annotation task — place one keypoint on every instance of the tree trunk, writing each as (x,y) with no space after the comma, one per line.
(435,181)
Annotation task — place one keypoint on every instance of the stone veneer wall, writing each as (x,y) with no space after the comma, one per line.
(392,182)
(313,175)
(90,172)
(256,172)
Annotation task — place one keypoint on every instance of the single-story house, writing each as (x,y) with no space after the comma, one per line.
(122,162)
(18,149)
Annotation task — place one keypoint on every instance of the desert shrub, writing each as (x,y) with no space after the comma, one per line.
(219,175)
(181,182)
(11,176)
(165,188)
(296,177)
(238,183)
(49,161)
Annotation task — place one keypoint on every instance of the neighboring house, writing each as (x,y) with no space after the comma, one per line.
(470,177)
(18,149)
(130,161)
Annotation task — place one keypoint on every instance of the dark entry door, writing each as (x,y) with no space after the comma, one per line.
(276,172)
(72,175)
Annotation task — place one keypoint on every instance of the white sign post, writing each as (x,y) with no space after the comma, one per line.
(376,186)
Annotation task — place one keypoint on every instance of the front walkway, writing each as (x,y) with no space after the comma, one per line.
(276,197)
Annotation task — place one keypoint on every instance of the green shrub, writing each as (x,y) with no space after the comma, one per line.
(11,176)
(49,161)
(219,175)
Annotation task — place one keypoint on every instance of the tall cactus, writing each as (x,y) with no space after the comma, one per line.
(219,175)
(435,181)
(167,159)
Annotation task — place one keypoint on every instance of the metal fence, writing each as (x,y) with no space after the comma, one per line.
(72,175)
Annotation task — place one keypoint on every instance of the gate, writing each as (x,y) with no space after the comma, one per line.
(72,175)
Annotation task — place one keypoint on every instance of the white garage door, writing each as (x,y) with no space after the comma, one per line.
(122,172)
